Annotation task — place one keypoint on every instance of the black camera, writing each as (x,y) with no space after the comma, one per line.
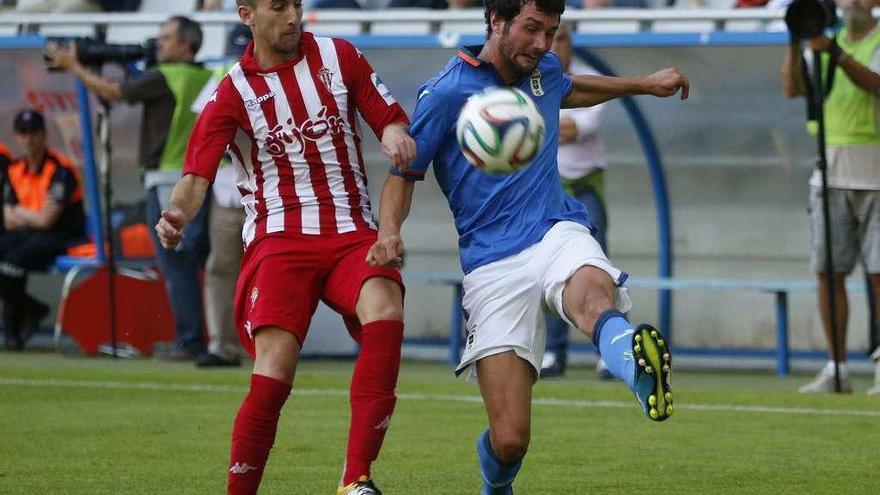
(93,53)
(808,19)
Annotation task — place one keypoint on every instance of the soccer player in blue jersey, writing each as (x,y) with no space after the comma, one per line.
(524,244)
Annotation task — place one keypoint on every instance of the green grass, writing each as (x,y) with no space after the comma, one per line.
(63,431)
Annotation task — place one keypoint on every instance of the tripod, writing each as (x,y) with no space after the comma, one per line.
(816,93)
(103,125)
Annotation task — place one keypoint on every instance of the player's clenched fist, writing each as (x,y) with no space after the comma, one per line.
(398,145)
(387,251)
(667,82)
(170,228)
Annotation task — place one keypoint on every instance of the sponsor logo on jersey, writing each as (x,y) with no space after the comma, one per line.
(325,75)
(252,104)
(313,129)
(535,83)
(382,89)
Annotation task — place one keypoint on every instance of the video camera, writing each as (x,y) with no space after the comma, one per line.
(808,19)
(94,53)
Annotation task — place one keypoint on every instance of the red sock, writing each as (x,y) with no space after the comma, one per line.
(372,395)
(254,433)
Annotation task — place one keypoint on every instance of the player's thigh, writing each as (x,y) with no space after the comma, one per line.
(505,382)
(869,215)
(844,231)
(579,280)
(503,305)
(277,353)
(278,290)
(362,292)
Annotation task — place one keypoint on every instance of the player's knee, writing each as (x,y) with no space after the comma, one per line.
(590,307)
(510,446)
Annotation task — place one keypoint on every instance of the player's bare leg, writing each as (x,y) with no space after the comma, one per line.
(506,385)
(637,356)
(380,312)
(253,433)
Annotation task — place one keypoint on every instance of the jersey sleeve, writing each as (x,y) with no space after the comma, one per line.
(214,130)
(372,98)
(432,120)
(150,85)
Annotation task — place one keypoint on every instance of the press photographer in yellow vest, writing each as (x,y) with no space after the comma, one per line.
(167,92)
(852,125)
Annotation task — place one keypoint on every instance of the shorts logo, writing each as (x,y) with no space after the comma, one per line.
(535,83)
(325,75)
(471,336)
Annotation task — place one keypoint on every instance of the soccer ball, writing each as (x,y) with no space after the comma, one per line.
(500,130)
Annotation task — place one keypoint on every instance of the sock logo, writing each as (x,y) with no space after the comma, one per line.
(241,468)
(384,424)
(618,337)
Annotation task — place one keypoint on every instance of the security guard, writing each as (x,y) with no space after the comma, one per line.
(43,214)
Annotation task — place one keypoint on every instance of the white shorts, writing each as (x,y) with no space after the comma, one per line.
(504,301)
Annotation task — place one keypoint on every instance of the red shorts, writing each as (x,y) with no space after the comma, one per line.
(283,277)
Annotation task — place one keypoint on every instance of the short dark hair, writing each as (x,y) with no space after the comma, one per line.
(189,31)
(245,3)
(508,9)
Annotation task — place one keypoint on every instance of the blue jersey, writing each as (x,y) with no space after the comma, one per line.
(496,216)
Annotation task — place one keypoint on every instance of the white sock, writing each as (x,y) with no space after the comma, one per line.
(829,368)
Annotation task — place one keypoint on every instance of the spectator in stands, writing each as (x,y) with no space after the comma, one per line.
(224,5)
(167,93)
(852,124)
(420,4)
(581,162)
(43,214)
(225,223)
(59,6)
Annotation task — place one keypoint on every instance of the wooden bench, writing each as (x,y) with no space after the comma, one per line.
(779,288)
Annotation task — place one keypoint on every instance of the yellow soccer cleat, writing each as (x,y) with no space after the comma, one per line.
(363,486)
(653,367)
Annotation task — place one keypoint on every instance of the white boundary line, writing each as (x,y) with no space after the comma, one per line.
(583,404)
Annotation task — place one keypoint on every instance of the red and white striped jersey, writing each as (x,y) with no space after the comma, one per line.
(292,133)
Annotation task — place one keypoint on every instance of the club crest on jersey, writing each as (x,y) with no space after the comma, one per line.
(535,83)
(313,129)
(325,75)
(382,89)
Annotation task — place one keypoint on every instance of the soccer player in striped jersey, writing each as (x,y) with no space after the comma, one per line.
(287,112)
(524,244)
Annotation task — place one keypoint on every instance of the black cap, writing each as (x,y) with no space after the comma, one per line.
(27,121)
(239,37)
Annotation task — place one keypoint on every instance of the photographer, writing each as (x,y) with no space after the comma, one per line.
(852,123)
(167,92)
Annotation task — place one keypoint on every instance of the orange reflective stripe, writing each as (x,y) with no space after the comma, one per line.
(31,189)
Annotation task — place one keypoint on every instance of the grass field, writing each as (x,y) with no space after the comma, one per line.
(98,426)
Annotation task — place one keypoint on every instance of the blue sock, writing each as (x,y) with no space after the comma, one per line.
(497,476)
(612,335)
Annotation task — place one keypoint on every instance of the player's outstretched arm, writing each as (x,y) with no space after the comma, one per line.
(591,90)
(393,210)
(186,200)
(398,145)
